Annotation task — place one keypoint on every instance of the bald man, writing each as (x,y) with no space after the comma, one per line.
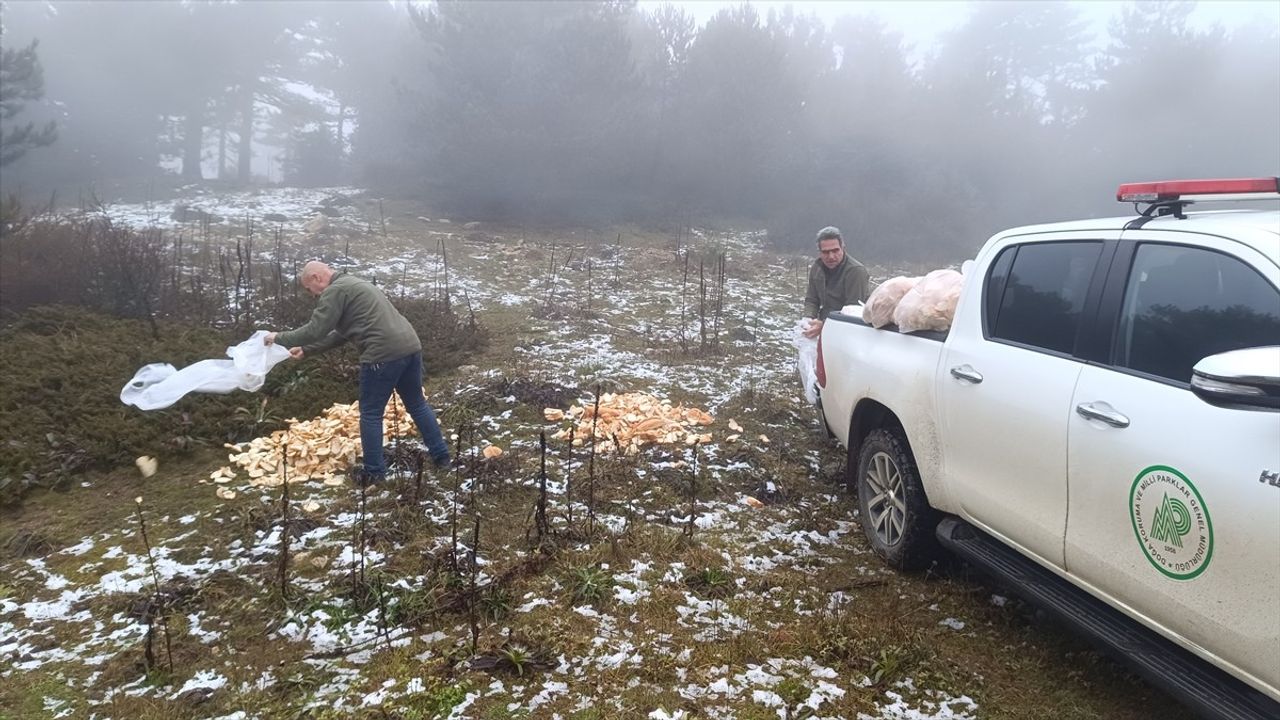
(390,357)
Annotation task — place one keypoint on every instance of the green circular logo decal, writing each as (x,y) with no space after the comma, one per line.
(1171,522)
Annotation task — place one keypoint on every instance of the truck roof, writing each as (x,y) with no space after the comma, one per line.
(1257,228)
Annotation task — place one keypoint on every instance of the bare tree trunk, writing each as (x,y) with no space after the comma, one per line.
(222,151)
(245,154)
(339,144)
(192,143)
(656,160)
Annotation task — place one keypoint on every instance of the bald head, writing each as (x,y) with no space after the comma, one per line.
(316,276)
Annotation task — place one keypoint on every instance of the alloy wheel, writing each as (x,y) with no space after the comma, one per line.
(884,498)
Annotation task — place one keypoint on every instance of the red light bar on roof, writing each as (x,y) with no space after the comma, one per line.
(1180,189)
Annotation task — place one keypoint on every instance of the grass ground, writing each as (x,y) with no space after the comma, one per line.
(619,611)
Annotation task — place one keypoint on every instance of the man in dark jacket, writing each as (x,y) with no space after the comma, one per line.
(390,357)
(835,280)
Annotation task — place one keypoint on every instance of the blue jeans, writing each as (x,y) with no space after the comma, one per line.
(404,376)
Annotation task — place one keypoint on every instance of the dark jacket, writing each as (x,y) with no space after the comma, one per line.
(848,283)
(356,310)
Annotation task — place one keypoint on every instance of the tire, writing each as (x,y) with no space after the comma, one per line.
(900,527)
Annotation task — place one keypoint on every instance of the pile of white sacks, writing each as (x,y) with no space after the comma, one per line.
(915,303)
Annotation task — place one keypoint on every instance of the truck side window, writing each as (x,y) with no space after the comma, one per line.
(1182,304)
(1044,294)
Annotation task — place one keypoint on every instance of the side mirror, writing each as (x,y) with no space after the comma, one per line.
(1248,378)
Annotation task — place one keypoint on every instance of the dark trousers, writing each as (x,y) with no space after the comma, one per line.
(377,381)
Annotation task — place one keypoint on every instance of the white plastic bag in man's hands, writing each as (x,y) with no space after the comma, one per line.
(806,359)
(253,357)
(160,385)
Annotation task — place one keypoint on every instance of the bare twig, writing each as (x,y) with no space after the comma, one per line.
(702,306)
(591,469)
(684,301)
(284,518)
(453,504)
(693,491)
(158,604)
(540,517)
(617,259)
(720,284)
(475,570)
(362,533)
(568,476)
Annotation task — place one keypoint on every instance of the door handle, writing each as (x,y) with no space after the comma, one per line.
(966,373)
(1102,412)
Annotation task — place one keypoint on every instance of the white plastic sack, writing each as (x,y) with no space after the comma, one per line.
(884,300)
(931,304)
(806,360)
(160,385)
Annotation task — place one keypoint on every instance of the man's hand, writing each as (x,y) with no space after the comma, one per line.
(296,353)
(815,329)
(269,339)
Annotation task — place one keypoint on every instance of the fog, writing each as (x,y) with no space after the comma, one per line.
(660,114)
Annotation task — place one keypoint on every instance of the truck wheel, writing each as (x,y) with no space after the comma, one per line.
(895,514)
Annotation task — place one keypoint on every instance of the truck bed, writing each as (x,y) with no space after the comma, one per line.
(890,368)
(856,319)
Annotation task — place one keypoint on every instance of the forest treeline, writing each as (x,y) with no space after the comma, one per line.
(608,112)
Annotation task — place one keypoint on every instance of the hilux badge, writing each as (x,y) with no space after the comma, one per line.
(1171,522)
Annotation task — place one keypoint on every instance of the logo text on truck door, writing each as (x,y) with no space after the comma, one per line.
(1171,522)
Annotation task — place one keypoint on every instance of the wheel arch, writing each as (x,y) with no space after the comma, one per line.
(871,415)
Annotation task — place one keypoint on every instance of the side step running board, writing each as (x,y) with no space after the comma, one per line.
(1208,691)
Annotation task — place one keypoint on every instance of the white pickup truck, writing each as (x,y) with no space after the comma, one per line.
(1099,429)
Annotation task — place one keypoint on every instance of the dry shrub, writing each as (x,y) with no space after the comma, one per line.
(62,368)
(448,339)
(44,263)
(86,302)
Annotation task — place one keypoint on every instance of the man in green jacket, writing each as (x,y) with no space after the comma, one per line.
(835,280)
(390,357)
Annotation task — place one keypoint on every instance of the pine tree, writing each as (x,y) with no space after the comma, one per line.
(21,79)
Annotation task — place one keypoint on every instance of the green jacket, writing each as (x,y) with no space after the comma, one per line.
(354,309)
(829,290)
